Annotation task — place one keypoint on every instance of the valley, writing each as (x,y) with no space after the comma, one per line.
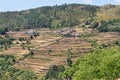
(61,42)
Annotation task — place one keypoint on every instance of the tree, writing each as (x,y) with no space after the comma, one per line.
(35,34)
(54,71)
(3,30)
(95,25)
(28,42)
(31,52)
(69,62)
(31,37)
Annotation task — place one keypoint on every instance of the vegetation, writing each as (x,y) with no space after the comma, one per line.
(6,42)
(88,34)
(61,16)
(94,25)
(108,12)
(100,64)
(8,72)
(50,17)
(3,30)
(54,72)
(112,25)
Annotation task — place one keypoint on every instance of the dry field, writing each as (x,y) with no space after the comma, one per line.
(106,37)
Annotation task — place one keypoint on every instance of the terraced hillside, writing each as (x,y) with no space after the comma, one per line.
(51,49)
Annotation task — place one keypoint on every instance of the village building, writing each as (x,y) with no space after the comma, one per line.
(30,32)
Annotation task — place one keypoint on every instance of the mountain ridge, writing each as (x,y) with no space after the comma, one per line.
(66,15)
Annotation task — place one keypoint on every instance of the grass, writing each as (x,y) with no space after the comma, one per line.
(112,13)
(1,50)
(88,35)
(46,59)
(29,46)
(91,40)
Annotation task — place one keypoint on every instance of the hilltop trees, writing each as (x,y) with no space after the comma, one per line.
(47,17)
(60,16)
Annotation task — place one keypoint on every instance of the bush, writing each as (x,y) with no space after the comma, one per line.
(95,25)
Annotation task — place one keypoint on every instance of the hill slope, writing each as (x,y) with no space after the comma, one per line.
(56,16)
(108,12)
